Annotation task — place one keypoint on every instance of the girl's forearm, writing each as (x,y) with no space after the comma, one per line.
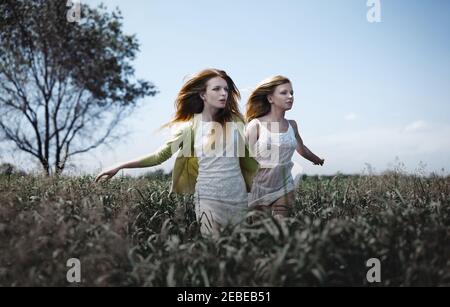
(307,154)
(133,164)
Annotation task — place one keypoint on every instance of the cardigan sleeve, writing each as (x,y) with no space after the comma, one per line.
(166,151)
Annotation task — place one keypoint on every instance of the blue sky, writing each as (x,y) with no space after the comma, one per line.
(365,92)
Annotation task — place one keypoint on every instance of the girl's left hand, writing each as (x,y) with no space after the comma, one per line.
(319,162)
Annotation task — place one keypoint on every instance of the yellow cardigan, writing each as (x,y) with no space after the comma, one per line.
(185,170)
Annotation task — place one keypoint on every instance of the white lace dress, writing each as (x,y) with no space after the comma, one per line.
(220,192)
(274,178)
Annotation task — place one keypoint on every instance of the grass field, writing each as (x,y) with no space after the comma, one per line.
(131,232)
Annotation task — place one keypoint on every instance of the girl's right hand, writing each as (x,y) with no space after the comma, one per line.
(108,174)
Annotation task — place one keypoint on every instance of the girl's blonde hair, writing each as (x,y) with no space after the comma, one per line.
(258,105)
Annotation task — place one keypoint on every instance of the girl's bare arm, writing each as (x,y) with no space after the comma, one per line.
(252,134)
(302,149)
(161,155)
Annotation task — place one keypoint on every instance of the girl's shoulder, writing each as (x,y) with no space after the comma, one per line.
(264,120)
(294,125)
(254,123)
(261,119)
(181,128)
(258,121)
(184,125)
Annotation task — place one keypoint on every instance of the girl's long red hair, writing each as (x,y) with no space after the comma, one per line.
(188,102)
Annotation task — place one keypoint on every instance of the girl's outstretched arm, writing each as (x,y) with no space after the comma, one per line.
(303,150)
(110,172)
(161,155)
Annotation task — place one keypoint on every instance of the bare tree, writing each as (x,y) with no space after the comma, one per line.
(64,87)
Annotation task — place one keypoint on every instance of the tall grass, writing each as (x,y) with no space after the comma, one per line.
(132,232)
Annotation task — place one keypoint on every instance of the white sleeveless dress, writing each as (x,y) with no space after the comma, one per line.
(274,178)
(220,191)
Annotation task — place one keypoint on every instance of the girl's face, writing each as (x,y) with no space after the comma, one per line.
(216,93)
(282,97)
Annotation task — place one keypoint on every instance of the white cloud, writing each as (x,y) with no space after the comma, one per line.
(416,126)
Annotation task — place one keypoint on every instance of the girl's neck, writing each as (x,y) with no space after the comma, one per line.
(209,113)
(276,115)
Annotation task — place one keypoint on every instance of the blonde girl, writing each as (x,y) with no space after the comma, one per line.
(269,132)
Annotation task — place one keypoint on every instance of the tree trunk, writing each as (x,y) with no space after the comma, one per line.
(46,168)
